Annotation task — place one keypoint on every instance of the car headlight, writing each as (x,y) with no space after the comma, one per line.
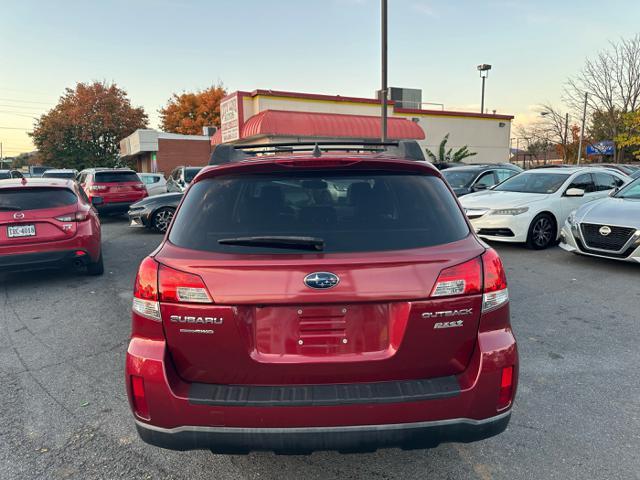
(510,211)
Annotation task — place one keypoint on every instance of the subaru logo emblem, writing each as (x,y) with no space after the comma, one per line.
(605,230)
(18,216)
(321,280)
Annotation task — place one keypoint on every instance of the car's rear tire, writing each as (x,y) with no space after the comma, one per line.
(542,232)
(96,268)
(162,219)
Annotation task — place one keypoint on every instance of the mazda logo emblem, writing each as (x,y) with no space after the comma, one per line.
(18,216)
(605,230)
(321,280)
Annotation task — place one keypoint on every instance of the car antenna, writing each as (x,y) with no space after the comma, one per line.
(316,151)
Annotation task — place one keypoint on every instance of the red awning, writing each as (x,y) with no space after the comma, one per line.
(327,125)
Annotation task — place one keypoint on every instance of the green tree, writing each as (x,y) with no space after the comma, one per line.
(85,128)
(445,155)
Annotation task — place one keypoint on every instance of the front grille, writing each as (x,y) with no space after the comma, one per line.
(624,254)
(613,242)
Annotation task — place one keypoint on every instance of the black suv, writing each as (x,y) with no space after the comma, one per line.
(180,178)
(473,178)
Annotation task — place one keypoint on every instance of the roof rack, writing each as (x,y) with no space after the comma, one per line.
(226,153)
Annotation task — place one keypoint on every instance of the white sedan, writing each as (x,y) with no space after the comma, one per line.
(532,206)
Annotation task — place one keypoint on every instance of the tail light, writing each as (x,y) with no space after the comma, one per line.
(138,397)
(98,188)
(145,290)
(463,279)
(139,186)
(495,293)
(73,217)
(181,287)
(505,395)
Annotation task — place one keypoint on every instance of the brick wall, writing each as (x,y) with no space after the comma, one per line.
(174,153)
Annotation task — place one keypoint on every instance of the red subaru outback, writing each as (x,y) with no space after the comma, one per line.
(325,300)
(48,222)
(112,190)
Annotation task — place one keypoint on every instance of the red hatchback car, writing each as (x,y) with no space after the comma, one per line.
(320,301)
(48,222)
(112,190)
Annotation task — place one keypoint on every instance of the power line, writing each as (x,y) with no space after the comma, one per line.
(24,101)
(18,114)
(13,128)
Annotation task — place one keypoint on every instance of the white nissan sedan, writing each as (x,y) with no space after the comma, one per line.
(532,206)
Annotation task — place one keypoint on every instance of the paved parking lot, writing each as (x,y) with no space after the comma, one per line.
(64,413)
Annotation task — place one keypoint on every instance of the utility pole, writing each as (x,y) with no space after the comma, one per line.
(584,116)
(566,138)
(484,73)
(383,90)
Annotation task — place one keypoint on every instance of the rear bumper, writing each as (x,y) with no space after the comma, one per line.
(182,418)
(308,439)
(114,207)
(43,260)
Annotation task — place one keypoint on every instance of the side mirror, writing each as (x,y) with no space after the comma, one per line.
(614,191)
(479,186)
(574,192)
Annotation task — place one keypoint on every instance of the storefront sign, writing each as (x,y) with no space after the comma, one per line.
(230,118)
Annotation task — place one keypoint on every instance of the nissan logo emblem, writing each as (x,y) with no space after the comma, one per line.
(18,216)
(605,230)
(321,280)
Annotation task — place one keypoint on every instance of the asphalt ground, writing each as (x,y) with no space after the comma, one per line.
(64,413)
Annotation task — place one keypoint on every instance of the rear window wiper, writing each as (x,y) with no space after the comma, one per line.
(298,243)
(10,208)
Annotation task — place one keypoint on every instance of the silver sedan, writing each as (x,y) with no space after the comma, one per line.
(609,227)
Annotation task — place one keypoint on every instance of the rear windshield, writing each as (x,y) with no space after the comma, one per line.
(116,177)
(16,199)
(348,212)
(69,175)
(190,172)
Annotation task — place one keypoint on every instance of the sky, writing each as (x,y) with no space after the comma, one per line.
(153,48)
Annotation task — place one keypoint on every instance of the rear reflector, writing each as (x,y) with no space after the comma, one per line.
(181,287)
(463,279)
(506,388)
(138,396)
(496,293)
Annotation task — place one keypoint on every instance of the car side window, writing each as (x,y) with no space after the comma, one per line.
(504,173)
(583,182)
(17,174)
(487,180)
(82,177)
(604,181)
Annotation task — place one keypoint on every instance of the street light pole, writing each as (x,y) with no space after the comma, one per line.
(383,90)
(484,73)
(584,116)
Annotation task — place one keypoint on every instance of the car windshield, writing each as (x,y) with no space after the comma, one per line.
(533,182)
(631,191)
(117,177)
(190,172)
(333,212)
(459,178)
(16,199)
(69,175)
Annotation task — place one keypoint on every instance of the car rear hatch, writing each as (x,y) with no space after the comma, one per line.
(255,312)
(36,215)
(118,186)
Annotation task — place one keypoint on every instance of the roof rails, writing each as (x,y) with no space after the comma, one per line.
(226,153)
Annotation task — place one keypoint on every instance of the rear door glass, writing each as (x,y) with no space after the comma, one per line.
(116,177)
(17,199)
(349,212)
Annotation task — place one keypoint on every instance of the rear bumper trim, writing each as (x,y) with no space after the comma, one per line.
(306,439)
(323,395)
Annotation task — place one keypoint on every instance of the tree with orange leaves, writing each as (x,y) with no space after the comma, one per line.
(85,128)
(188,112)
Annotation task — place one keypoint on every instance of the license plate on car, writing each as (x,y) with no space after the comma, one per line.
(21,231)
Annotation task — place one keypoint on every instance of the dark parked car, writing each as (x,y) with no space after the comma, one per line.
(155,212)
(473,178)
(180,178)
(279,315)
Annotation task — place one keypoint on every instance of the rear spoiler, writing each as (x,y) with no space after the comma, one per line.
(227,153)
